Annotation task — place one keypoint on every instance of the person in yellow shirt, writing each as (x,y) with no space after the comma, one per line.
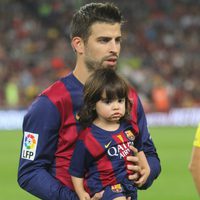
(194,165)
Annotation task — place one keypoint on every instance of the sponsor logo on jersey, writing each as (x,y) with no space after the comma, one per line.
(29,145)
(108,144)
(121,150)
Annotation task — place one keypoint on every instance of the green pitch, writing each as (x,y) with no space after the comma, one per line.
(173,144)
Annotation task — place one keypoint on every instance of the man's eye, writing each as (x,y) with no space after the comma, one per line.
(118,40)
(104,40)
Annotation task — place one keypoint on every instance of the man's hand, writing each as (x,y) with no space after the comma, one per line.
(145,169)
(133,165)
(143,178)
(139,167)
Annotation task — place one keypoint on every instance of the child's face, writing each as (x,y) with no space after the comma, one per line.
(110,110)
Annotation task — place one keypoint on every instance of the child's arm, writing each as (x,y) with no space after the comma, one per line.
(79,188)
(145,169)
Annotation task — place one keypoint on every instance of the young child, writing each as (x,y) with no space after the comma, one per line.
(99,159)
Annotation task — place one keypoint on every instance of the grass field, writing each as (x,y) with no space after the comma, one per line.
(173,145)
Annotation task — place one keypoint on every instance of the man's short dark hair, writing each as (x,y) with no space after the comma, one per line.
(91,13)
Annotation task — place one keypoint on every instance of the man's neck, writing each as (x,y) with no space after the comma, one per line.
(81,73)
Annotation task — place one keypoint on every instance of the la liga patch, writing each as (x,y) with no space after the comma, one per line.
(29,145)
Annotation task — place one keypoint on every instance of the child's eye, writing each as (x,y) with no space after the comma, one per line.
(107,101)
(121,100)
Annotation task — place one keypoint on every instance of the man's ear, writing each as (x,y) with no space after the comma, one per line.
(77,45)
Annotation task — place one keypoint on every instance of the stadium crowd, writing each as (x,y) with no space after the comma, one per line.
(160,51)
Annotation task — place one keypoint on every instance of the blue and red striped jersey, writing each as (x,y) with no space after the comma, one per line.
(50,131)
(100,156)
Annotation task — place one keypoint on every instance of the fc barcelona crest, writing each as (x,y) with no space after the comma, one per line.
(117,188)
(130,135)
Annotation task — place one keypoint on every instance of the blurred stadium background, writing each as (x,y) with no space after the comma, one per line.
(160,57)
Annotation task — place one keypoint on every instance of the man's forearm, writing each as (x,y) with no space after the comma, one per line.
(44,186)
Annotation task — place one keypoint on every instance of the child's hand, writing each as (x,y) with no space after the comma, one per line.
(98,196)
(85,196)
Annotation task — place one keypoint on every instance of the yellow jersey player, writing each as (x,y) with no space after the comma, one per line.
(194,165)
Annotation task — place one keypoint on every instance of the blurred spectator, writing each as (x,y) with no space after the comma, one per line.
(160,99)
(12,93)
(163,42)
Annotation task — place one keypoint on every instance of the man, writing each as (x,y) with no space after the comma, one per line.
(194,165)
(51,128)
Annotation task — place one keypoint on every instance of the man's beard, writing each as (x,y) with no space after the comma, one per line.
(92,65)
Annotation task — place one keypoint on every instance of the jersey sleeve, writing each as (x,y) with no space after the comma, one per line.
(40,136)
(81,160)
(196,142)
(148,147)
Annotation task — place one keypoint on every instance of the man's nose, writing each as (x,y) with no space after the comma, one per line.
(114,47)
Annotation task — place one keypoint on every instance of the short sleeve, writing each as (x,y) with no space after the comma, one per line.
(196,142)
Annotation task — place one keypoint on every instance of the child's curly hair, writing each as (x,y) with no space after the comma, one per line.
(104,80)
